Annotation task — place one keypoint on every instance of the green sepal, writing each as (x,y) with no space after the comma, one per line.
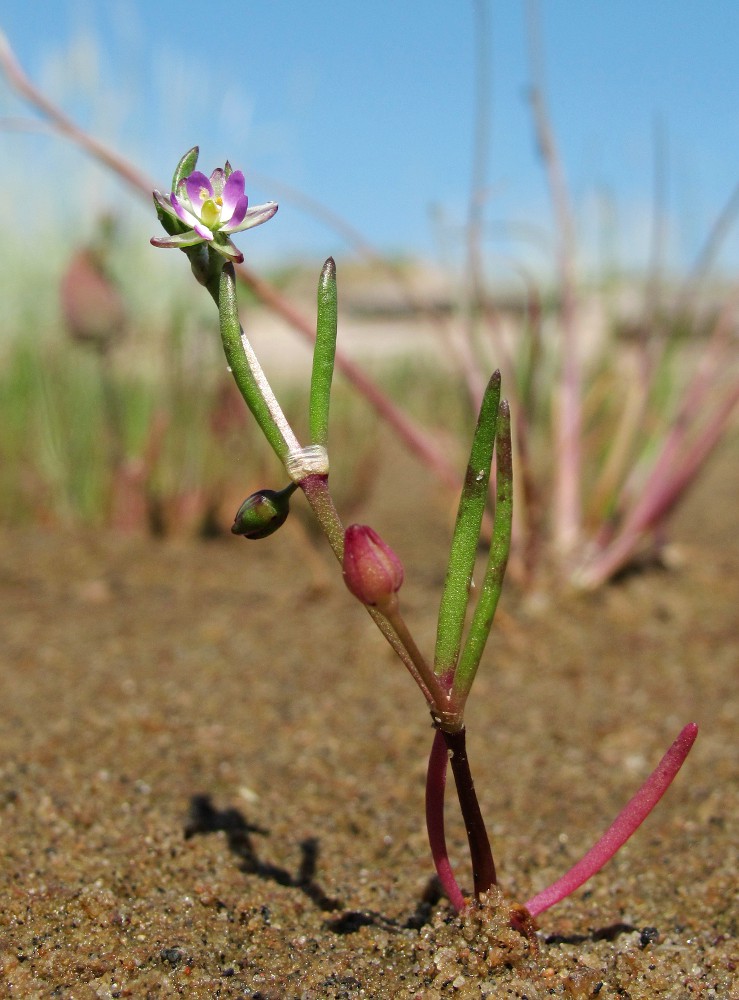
(500,547)
(171,225)
(186,166)
(454,600)
(324,354)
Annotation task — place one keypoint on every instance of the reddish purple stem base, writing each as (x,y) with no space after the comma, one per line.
(435,787)
(626,823)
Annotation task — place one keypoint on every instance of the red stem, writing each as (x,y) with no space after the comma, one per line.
(625,824)
(483,866)
(435,787)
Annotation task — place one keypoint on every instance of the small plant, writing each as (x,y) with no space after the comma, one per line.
(200,214)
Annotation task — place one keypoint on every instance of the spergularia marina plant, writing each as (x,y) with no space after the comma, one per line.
(200,215)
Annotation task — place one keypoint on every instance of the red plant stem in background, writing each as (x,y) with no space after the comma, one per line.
(567,516)
(625,824)
(483,867)
(435,787)
(664,497)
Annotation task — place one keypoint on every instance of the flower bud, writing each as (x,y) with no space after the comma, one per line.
(262,513)
(372,571)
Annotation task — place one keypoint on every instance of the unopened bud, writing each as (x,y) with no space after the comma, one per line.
(372,571)
(262,513)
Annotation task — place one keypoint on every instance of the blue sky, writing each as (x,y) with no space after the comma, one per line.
(368,107)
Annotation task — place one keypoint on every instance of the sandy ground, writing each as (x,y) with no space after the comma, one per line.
(212,768)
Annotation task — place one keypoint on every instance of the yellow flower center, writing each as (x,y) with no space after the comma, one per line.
(211,212)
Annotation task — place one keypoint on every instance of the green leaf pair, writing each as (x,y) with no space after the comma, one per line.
(493,431)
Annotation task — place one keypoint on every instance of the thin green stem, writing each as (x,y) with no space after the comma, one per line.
(318,495)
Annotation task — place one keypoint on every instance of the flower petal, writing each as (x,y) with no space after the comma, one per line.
(233,192)
(198,189)
(203,230)
(255,216)
(182,213)
(217,180)
(232,221)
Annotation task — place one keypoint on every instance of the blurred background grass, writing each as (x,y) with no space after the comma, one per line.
(135,425)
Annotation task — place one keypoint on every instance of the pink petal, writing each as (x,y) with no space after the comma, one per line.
(233,192)
(187,217)
(198,189)
(232,222)
(204,232)
(255,216)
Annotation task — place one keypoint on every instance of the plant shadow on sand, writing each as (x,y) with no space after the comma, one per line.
(205,818)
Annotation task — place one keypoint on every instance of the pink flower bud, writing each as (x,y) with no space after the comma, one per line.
(372,571)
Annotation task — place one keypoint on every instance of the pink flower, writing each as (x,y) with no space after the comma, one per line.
(211,209)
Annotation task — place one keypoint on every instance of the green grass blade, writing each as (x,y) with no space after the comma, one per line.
(454,600)
(500,545)
(323,354)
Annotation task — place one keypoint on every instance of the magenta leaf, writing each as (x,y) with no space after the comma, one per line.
(625,824)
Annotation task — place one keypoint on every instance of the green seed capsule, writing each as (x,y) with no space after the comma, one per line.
(263,513)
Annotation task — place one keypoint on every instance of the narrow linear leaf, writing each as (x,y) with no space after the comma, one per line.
(454,600)
(238,363)
(500,545)
(622,828)
(324,354)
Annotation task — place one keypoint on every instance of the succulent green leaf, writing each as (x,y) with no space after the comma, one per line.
(455,597)
(186,166)
(236,357)
(324,354)
(500,546)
